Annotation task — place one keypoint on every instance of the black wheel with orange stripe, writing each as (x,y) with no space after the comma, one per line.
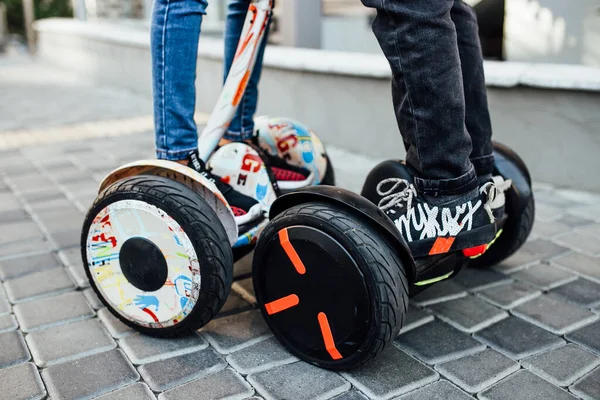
(330,286)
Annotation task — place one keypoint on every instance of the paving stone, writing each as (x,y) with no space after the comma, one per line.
(588,211)
(24,247)
(391,374)
(89,377)
(532,252)
(14,350)
(554,314)
(443,291)
(351,395)
(562,366)
(65,239)
(524,385)
(16,267)
(509,296)
(550,229)
(77,273)
(137,391)
(166,374)
(234,305)
(298,381)
(582,292)
(588,387)
(469,314)
(42,195)
(226,384)
(21,382)
(580,242)
(4,304)
(544,276)
(415,317)
(478,371)
(582,264)
(69,342)
(9,202)
(245,289)
(70,257)
(518,339)
(93,299)
(587,336)
(438,342)
(236,332)
(51,311)
(17,215)
(259,357)
(116,328)
(38,285)
(18,231)
(61,219)
(8,323)
(50,207)
(441,390)
(475,279)
(142,349)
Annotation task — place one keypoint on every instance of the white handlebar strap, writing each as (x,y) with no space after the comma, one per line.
(235,86)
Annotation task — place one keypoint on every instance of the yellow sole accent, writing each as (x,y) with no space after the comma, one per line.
(434,280)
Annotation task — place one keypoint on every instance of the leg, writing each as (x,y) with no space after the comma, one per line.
(419,41)
(174,42)
(477,118)
(242,125)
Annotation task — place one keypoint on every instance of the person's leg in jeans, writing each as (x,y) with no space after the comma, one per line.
(477,118)
(175,35)
(419,39)
(242,125)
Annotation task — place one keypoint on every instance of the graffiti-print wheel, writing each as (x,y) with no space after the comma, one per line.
(157,256)
(330,287)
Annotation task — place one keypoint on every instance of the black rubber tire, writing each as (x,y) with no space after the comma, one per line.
(203,228)
(515,233)
(329,178)
(379,263)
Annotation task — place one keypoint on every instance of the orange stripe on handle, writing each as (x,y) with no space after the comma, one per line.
(291,252)
(328,337)
(442,245)
(282,304)
(241,89)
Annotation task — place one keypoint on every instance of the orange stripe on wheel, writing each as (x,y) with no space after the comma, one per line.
(442,245)
(282,304)
(328,337)
(291,252)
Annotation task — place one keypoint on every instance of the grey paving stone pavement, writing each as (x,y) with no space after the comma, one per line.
(137,391)
(89,377)
(524,385)
(552,282)
(226,384)
(450,343)
(21,382)
(518,339)
(142,349)
(300,381)
(588,387)
(392,374)
(477,372)
(468,314)
(57,310)
(441,390)
(67,342)
(564,365)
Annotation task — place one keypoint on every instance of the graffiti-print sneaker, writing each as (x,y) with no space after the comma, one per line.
(245,208)
(438,229)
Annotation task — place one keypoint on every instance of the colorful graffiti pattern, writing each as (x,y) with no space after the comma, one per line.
(126,219)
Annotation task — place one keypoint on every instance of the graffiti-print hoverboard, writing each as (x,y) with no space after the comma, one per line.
(159,243)
(332,275)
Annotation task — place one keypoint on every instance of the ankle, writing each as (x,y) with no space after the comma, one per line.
(224,141)
(454,199)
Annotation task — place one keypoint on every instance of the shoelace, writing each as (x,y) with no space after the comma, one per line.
(392,199)
(491,191)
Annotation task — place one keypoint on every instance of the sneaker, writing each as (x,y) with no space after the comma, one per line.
(285,173)
(431,230)
(245,209)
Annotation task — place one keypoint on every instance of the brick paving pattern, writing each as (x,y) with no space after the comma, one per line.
(528,328)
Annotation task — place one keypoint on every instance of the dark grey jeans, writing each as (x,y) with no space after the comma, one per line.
(438,89)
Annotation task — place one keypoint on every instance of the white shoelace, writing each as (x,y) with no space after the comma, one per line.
(491,191)
(392,199)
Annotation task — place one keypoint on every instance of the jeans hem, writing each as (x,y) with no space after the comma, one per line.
(174,155)
(448,187)
(239,136)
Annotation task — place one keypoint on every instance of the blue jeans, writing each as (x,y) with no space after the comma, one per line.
(439,92)
(175,34)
